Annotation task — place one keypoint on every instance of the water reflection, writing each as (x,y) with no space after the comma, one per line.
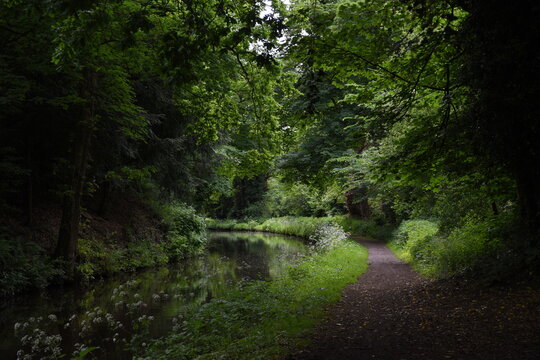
(156,294)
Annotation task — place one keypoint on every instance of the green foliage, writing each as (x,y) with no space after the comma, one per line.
(297,226)
(299,199)
(187,231)
(380,103)
(265,319)
(410,135)
(186,237)
(368,228)
(415,241)
(24,265)
(469,248)
(412,232)
(98,257)
(485,249)
(102,99)
(305,226)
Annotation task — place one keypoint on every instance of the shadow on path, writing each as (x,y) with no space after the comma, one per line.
(393,313)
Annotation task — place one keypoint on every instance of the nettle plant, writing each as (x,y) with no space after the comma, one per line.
(328,236)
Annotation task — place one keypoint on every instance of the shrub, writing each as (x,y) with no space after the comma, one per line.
(478,247)
(328,236)
(97,257)
(186,236)
(474,247)
(411,232)
(24,264)
(186,231)
(416,241)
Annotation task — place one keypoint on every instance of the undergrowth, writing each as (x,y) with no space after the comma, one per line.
(186,236)
(486,249)
(304,226)
(23,264)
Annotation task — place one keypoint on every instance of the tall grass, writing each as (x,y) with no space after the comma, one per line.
(482,249)
(304,226)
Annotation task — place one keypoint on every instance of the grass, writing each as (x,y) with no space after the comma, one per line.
(265,319)
(480,249)
(304,226)
(424,269)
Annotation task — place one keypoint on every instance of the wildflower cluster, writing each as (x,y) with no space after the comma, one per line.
(125,326)
(327,236)
(36,342)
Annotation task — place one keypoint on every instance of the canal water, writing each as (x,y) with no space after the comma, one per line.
(108,313)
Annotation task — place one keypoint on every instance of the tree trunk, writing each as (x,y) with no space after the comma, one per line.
(30,180)
(357,204)
(105,194)
(66,247)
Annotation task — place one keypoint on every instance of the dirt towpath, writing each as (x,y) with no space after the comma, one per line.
(393,313)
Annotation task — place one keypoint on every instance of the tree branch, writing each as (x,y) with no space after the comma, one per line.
(390,72)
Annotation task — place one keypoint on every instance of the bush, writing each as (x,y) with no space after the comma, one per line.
(23,265)
(479,248)
(186,231)
(411,232)
(415,241)
(186,237)
(475,247)
(328,236)
(97,257)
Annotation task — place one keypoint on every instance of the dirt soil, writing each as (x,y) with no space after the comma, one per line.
(393,313)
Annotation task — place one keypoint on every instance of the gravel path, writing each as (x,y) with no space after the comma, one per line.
(393,313)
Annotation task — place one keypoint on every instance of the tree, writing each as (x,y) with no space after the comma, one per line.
(503,73)
(87,49)
(204,47)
